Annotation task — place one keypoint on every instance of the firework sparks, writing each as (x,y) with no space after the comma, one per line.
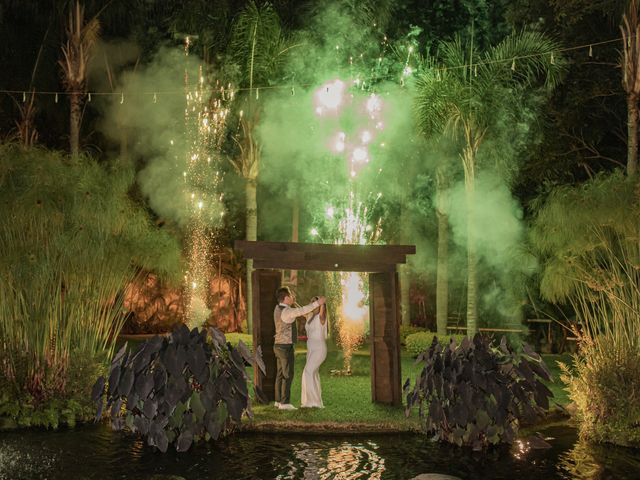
(350,223)
(205,120)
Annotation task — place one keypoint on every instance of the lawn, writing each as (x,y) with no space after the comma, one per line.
(347,400)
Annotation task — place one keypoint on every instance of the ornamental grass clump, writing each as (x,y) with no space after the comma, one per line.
(588,239)
(190,386)
(70,242)
(476,394)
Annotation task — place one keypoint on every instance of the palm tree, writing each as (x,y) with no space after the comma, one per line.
(630,29)
(76,52)
(258,48)
(465,96)
(442,268)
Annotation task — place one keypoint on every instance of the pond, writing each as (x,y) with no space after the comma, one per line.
(96,452)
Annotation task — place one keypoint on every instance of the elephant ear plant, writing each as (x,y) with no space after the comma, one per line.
(476,394)
(189,386)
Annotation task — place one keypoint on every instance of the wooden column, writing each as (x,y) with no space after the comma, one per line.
(384,311)
(265,283)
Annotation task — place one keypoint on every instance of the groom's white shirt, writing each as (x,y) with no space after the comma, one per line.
(284,316)
(289,313)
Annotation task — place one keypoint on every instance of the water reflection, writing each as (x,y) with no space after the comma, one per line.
(343,462)
(592,462)
(95,452)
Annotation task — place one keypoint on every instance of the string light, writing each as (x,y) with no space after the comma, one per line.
(588,46)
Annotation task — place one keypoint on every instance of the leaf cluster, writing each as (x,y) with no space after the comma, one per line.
(468,88)
(176,390)
(476,394)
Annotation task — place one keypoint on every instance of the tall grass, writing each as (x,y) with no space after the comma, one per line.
(70,242)
(589,236)
(56,307)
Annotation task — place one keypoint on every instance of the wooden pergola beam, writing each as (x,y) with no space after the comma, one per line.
(314,256)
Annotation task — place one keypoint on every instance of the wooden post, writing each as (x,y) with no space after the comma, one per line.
(384,314)
(265,283)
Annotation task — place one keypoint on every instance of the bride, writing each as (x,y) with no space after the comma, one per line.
(316,328)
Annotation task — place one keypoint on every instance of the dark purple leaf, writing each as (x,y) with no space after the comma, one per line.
(119,358)
(144,385)
(260,361)
(98,389)
(150,408)
(180,335)
(114,378)
(115,408)
(126,382)
(537,443)
(141,424)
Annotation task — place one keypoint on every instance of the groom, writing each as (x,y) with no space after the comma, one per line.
(284,317)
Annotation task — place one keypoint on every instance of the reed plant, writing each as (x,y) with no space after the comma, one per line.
(588,236)
(70,242)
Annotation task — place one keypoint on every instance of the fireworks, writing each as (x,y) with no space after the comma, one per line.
(350,224)
(205,119)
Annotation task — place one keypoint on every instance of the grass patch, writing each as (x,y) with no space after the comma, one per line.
(347,400)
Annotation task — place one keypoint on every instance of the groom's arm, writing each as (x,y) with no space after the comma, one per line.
(290,314)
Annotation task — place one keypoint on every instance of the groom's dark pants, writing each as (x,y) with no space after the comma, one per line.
(284,375)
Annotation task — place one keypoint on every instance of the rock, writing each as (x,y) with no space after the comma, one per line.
(435,476)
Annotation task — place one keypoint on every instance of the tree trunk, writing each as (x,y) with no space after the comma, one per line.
(295,230)
(632,135)
(472,256)
(252,235)
(75,115)
(442,274)
(404,270)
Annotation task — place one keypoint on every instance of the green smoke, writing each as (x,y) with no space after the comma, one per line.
(151,111)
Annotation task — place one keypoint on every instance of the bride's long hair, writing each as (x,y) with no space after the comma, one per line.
(313,299)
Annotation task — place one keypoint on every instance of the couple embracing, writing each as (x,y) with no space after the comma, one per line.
(284,317)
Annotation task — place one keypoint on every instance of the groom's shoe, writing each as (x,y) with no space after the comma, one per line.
(286,406)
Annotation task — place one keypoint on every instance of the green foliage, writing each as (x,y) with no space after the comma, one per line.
(588,238)
(179,389)
(416,343)
(235,338)
(257,44)
(406,330)
(477,394)
(451,98)
(25,411)
(68,241)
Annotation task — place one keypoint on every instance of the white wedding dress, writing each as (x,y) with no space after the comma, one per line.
(316,354)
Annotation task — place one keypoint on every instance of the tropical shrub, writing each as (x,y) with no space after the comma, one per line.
(70,240)
(235,338)
(418,342)
(476,394)
(587,238)
(178,389)
(406,330)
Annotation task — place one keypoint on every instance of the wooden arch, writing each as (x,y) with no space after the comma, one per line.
(380,261)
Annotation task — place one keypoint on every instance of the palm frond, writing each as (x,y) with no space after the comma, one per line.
(524,58)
